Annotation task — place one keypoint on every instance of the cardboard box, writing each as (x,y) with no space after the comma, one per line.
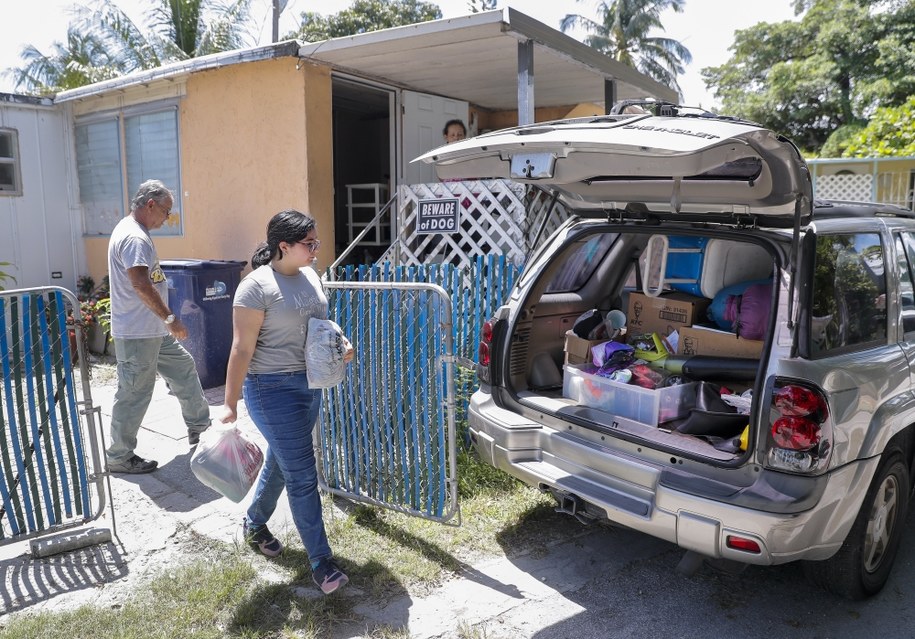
(664,314)
(578,350)
(698,340)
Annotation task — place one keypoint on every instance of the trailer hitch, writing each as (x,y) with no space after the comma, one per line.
(571,505)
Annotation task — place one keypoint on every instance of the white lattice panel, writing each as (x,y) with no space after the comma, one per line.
(498,217)
(855,188)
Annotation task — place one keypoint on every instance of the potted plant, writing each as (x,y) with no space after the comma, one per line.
(95,313)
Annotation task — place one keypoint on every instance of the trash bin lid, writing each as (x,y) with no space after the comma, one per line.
(191,264)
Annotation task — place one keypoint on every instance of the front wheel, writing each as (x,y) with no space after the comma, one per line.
(862,565)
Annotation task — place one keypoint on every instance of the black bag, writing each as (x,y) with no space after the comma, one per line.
(712,416)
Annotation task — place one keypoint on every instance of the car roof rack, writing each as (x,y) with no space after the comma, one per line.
(823,209)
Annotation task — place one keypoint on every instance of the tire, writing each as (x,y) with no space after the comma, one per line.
(862,565)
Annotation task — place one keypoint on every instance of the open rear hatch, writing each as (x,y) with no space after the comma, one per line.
(678,166)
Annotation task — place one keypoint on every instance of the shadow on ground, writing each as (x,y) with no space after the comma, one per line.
(27,581)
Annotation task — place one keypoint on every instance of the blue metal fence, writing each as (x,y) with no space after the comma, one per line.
(46,437)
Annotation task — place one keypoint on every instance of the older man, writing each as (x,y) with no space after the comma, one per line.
(146,332)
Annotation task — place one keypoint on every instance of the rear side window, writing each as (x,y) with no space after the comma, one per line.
(905,244)
(580,264)
(849,294)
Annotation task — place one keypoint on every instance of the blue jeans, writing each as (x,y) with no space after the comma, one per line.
(284,409)
(138,362)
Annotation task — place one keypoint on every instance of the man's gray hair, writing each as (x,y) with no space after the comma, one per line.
(150,190)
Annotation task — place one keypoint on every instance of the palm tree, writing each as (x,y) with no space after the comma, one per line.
(103,42)
(82,60)
(623,34)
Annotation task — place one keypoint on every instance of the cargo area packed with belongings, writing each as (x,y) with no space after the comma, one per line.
(671,344)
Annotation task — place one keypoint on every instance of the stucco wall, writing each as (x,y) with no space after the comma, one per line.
(255,138)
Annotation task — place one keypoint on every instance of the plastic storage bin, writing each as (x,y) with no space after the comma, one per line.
(627,400)
(200,294)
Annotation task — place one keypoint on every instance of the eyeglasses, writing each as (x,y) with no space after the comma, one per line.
(312,245)
(168,211)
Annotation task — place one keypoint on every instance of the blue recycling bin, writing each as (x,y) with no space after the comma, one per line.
(200,294)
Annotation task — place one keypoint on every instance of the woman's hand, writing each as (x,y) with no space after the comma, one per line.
(229,414)
(349,354)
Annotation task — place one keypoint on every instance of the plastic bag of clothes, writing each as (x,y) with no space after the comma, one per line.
(325,347)
(227,461)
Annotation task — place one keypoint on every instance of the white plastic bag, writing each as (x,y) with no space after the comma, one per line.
(325,346)
(227,461)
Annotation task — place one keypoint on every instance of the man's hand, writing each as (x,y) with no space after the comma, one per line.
(177,329)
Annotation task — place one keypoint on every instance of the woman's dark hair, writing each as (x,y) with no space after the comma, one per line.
(460,123)
(286,226)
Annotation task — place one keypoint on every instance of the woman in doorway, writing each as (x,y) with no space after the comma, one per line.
(271,310)
(454,131)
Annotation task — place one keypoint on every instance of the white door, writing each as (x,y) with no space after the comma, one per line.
(424,117)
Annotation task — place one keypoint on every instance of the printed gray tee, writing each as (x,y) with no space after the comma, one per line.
(130,245)
(288,302)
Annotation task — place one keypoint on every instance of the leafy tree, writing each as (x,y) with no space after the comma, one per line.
(624,30)
(485,5)
(824,73)
(891,132)
(364,16)
(103,42)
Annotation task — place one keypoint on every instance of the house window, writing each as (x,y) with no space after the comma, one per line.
(117,152)
(9,163)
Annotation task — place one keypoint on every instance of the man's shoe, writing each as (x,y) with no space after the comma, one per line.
(261,539)
(134,466)
(193,436)
(328,576)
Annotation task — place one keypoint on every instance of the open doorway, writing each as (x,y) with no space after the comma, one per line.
(363,157)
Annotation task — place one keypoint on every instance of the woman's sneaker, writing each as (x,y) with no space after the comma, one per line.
(261,539)
(328,576)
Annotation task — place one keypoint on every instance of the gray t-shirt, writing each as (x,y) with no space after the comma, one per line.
(130,245)
(288,301)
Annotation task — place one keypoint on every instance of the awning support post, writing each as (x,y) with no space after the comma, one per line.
(525,82)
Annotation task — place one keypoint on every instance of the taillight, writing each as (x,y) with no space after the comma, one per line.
(795,433)
(484,351)
(800,436)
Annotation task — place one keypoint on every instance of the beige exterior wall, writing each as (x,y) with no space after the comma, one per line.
(494,120)
(255,138)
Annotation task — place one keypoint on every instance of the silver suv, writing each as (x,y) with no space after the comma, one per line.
(702,352)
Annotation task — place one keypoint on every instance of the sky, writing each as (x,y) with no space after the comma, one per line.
(705,27)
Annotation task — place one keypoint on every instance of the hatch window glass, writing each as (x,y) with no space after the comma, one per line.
(580,265)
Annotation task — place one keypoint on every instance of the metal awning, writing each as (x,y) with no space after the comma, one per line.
(475,58)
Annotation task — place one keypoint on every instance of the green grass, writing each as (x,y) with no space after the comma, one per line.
(386,554)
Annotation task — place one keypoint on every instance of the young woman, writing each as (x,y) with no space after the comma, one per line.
(267,363)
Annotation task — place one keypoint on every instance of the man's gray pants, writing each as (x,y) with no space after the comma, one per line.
(138,362)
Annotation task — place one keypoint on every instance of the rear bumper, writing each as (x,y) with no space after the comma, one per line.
(632,492)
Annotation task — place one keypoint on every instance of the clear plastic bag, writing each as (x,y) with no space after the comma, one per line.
(227,461)
(325,347)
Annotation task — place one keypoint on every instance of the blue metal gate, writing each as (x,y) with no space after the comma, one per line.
(51,475)
(388,434)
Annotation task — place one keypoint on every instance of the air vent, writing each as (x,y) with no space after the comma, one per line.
(518,354)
